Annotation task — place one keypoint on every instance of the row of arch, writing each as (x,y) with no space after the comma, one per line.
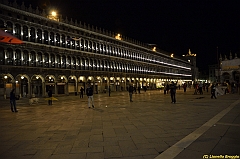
(37,85)
(21,57)
(230,76)
(47,37)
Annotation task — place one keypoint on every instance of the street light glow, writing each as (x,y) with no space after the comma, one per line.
(54,13)
(154,48)
(53,16)
(118,36)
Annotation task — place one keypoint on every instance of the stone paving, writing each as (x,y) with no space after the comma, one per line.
(119,129)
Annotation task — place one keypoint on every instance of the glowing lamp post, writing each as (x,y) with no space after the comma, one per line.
(118,37)
(53,16)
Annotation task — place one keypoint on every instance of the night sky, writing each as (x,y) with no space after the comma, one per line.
(173,25)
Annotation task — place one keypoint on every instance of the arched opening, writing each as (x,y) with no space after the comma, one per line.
(36,86)
(61,84)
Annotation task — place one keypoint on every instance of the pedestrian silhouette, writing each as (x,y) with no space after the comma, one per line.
(130,90)
(89,92)
(81,92)
(13,101)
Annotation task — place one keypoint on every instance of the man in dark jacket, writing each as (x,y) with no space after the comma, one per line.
(50,97)
(89,92)
(13,101)
(81,92)
(130,90)
(173,88)
(213,90)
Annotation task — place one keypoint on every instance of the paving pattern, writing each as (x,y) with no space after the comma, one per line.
(119,129)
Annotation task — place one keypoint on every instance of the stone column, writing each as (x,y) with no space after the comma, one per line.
(60,40)
(43,60)
(42,36)
(14,57)
(29,59)
(29,89)
(35,38)
(66,89)
(29,34)
(61,61)
(43,89)
(20,88)
(5,55)
(54,39)
(21,34)
(55,88)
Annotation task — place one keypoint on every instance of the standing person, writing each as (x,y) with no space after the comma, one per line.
(213,89)
(167,88)
(50,97)
(81,92)
(130,90)
(89,92)
(13,101)
(139,88)
(184,87)
(173,88)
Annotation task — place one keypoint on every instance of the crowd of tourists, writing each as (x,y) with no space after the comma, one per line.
(169,88)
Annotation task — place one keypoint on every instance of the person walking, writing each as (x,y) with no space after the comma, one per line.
(13,101)
(213,90)
(81,92)
(184,87)
(173,88)
(207,85)
(130,90)
(50,97)
(89,92)
(195,85)
(167,88)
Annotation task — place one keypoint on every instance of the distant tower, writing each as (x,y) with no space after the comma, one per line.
(192,59)
(220,61)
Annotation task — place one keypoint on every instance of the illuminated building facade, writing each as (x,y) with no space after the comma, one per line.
(230,69)
(63,55)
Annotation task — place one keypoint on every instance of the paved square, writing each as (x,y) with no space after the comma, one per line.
(118,128)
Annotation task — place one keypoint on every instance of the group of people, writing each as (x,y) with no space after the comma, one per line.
(172,88)
(89,92)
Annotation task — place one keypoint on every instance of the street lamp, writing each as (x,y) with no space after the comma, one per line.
(154,48)
(118,37)
(54,13)
(53,16)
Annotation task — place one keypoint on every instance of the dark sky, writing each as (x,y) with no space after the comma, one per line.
(174,25)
